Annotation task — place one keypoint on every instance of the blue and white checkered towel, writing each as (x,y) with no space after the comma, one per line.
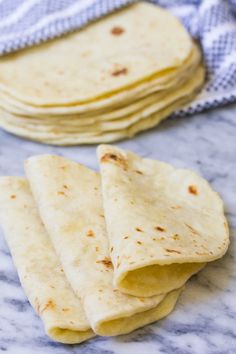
(211,22)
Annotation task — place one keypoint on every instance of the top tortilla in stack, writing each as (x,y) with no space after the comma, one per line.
(139,51)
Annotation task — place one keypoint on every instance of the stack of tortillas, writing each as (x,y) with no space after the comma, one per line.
(106,254)
(108,81)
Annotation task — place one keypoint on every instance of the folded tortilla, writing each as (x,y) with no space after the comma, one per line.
(38,267)
(163,223)
(69,199)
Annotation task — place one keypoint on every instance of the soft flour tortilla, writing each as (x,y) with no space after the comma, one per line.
(98,61)
(114,113)
(68,196)
(93,137)
(101,123)
(38,267)
(67,139)
(163,223)
(127,97)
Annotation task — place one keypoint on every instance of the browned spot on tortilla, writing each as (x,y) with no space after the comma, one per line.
(111,249)
(96,248)
(76,262)
(201,253)
(192,229)
(160,228)
(131,262)
(65,309)
(48,306)
(63,167)
(162,238)
(13,196)
(175,237)
(96,188)
(175,207)
(193,190)
(116,158)
(106,262)
(100,290)
(118,265)
(139,172)
(118,72)
(125,238)
(117,30)
(71,322)
(90,233)
(139,242)
(86,53)
(61,193)
(51,286)
(102,216)
(138,229)
(65,186)
(172,251)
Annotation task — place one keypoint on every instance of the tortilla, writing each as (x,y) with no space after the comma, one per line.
(100,61)
(98,116)
(163,223)
(166,81)
(55,138)
(68,196)
(142,121)
(103,123)
(38,267)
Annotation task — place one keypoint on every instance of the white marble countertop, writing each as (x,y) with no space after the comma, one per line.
(204,320)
